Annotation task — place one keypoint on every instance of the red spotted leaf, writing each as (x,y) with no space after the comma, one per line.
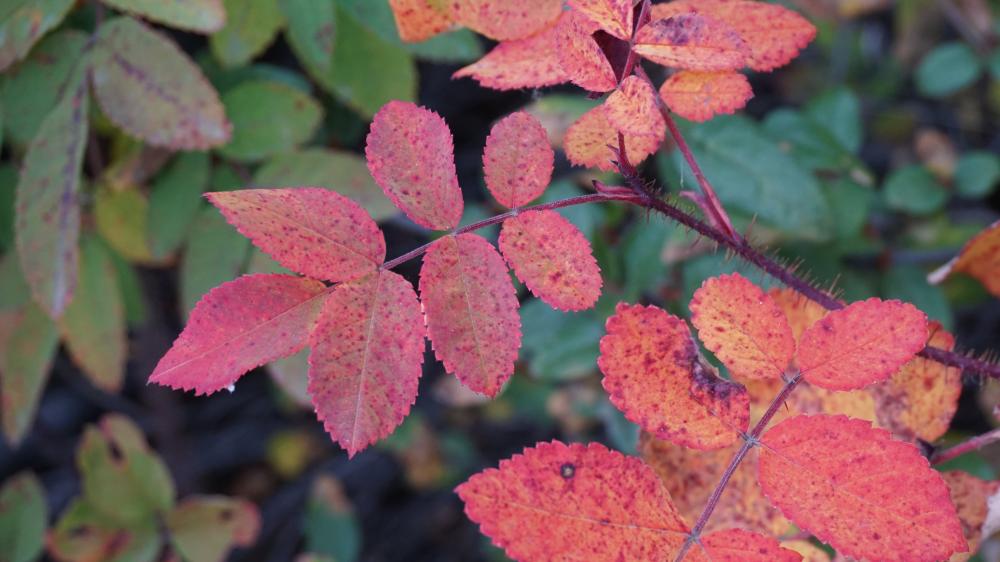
(314,231)
(740,545)
(613,16)
(858,490)
(693,42)
(773,34)
(653,374)
(532,62)
(553,258)
(861,344)
(367,352)
(590,142)
(518,160)
(239,326)
(581,58)
(699,96)
(471,311)
(980,258)
(743,327)
(419,20)
(506,19)
(632,108)
(412,157)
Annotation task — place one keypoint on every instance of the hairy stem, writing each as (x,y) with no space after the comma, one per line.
(749,442)
(972,444)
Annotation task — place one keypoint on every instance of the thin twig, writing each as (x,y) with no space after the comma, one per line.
(972,444)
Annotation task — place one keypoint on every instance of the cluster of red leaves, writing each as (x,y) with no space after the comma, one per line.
(366,332)
(597,44)
(836,477)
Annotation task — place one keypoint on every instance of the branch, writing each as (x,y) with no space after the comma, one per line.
(972,444)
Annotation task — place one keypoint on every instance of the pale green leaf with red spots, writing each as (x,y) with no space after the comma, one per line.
(518,160)
(24,22)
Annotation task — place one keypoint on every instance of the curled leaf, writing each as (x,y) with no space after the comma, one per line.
(699,96)
(980,258)
(518,160)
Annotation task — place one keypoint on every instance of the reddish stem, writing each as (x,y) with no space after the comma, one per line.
(749,442)
(972,444)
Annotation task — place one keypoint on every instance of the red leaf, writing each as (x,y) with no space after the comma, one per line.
(739,545)
(239,326)
(862,344)
(518,160)
(504,20)
(632,108)
(743,327)
(412,157)
(532,62)
(589,142)
(471,311)
(366,358)
(860,491)
(574,502)
(581,58)
(553,258)
(653,374)
(972,498)
(314,231)
(419,20)
(773,34)
(613,16)
(980,258)
(692,42)
(699,96)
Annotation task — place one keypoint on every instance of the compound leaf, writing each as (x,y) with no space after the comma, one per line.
(518,160)
(698,96)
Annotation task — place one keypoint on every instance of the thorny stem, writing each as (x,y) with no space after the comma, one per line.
(749,442)
(972,444)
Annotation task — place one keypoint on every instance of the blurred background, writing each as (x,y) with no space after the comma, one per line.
(867,162)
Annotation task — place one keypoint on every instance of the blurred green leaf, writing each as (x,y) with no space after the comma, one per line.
(947,69)
(839,112)
(203,16)
(586,217)
(560,345)
(312,28)
(132,292)
(206,528)
(84,534)
(174,199)
(268,118)
(913,189)
(250,28)
(23,516)
(850,205)
(909,284)
(642,253)
(28,346)
(8,192)
(215,253)
(122,221)
(977,174)
(23,22)
(331,528)
(31,89)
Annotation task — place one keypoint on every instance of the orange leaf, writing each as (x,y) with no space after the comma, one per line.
(239,326)
(412,157)
(581,58)
(919,401)
(739,545)
(504,20)
(970,495)
(774,35)
(800,312)
(632,108)
(471,311)
(613,16)
(419,20)
(532,62)
(366,358)
(743,327)
(980,258)
(698,96)
(589,142)
(693,42)
(862,344)
(653,374)
(314,231)
(518,160)
(857,489)
(553,258)
(691,476)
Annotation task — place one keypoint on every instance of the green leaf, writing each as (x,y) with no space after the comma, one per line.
(947,69)
(343,172)
(121,218)
(913,189)
(311,32)
(93,326)
(215,253)
(8,192)
(850,205)
(133,296)
(175,198)
(839,112)
(249,29)
(559,345)
(28,344)
(752,175)
(268,118)
(83,534)
(31,89)
(23,22)
(147,86)
(200,16)
(291,374)
(909,284)
(977,174)
(331,528)
(48,213)
(23,516)
(642,253)
(206,528)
